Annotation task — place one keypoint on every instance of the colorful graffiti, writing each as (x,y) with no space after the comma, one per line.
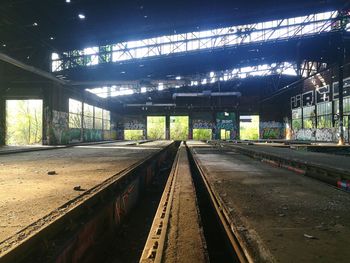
(226,121)
(58,131)
(324,135)
(93,135)
(272,130)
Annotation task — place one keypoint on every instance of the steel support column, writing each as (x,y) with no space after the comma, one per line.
(341,89)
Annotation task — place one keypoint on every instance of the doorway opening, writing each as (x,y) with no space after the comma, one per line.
(24,120)
(225,134)
(249,127)
(156,127)
(179,127)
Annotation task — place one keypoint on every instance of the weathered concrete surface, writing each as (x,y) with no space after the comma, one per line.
(282,217)
(28,193)
(331,161)
(185,240)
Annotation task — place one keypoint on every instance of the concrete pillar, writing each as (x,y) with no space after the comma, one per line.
(167,127)
(145,129)
(215,130)
(190,127)
(2,118)
(341,90)
(47,114)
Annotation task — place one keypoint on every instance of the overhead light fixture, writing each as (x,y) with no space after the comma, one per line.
(178,78)
(4,45)
(67,1)
(52,38)
(35,24)
(81,16)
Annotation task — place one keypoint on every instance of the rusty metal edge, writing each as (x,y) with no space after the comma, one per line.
(243,253)
(154,246)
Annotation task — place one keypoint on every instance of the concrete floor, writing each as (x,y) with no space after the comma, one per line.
(28,192)
(281,216)
(331,161)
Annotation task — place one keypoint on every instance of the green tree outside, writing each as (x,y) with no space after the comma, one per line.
(156,127)
(24,122)
(179,127)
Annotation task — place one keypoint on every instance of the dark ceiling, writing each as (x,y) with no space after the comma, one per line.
(31,29)
(111,21)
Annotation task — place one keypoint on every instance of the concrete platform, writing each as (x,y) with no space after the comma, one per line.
(330,168)
(279,216)
(8,149)
(185,240)
(28,192)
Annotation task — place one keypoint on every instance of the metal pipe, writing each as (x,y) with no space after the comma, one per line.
(207,94)
(152,105)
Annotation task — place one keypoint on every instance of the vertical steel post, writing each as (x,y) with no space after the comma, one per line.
(341,89)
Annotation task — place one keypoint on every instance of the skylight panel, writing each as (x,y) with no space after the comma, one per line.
(205,39)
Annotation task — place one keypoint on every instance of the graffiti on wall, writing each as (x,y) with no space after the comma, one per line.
(93,135)
(59,128)
(202,124)
(227,121)
(58,131)
(325,134)
(134,125)
(272,130)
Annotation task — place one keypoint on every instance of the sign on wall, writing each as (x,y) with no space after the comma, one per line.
(319,95)
(346,89)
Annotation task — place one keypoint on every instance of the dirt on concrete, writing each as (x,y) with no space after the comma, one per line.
(185,240)
(35,183)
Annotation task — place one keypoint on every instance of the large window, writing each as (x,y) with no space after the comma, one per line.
(106,120)
(324,115)
(309,117)
(88,116)
(98,118)
(75,113)
(93,117)
(296,119)
(346,110)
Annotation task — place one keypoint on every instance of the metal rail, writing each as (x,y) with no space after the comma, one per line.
(154,248)
(155,245)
